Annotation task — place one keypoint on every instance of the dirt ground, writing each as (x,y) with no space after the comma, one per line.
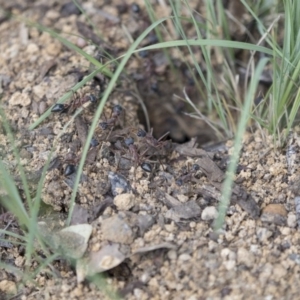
(149,233)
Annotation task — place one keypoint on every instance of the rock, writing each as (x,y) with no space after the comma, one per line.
(185,211)
(172,254)
(8,287)
(18,98)
(295,257)
(278,273)
(184,257)
(245,257)
(209,213)
(274,213)
(124,201)
(32,48)
(292,221)
(229,259)
(117,230)
(25,154)
(263,234)
(144,222)
(119,184)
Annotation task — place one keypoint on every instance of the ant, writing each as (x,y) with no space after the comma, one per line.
(149,141)
(187,176)
(83,101)
(72,160)
(111,122)
(136,156)
(116,112)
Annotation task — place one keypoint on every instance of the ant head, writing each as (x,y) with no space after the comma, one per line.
(195,167)
(92,99)
(179,182)
(129,141)
(146,167)
(103,125)
(70,169)
(94,142)
(135,8)
(141,133)
(117,109)
(59,107)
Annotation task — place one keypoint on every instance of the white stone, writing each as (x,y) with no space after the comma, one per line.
(172,254)
(229,265)
(292,221)
(32,48)
(209,213)
(184,257)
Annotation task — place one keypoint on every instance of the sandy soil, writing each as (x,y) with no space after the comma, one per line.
(149,233)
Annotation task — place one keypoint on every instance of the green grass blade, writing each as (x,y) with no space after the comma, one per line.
(245,114)
(215,43)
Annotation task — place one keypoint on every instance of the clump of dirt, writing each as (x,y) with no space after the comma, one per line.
(147,203)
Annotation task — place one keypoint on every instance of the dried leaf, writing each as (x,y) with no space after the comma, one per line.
(170,201)
(210,169)
(82,129)
(46,68)
(92,155)
(105,259)
(189,149)
(155,247)
(88,33)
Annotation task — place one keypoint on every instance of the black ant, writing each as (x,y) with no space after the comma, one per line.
(186,177)
(79,102)
(136,155)
(148,140)
(111,122)
(72,161)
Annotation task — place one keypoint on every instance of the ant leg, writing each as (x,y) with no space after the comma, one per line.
(163,136)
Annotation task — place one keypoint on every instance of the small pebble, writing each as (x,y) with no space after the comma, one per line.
(263,234)
(274,213)
(184,257)
(135,8)
(124,201)
(18,98)
(119,184)
(117,230)
(32,48)
(8,287)
(94,142)
(172,254)
(69,8)
(209,213)
(292,221)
